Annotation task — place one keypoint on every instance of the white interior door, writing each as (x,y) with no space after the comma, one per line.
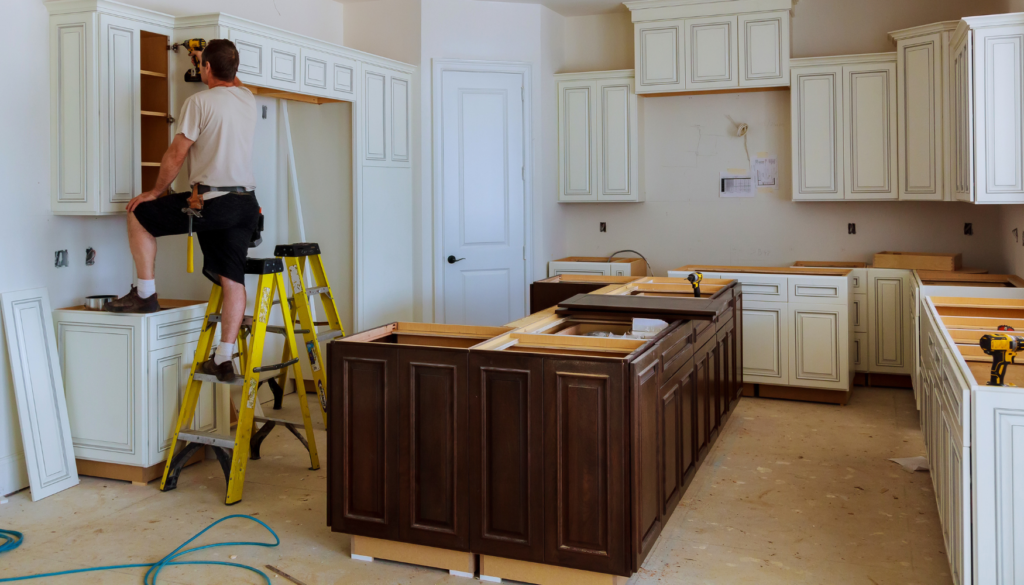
(482,197)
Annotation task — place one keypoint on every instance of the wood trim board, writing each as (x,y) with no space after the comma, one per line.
(39,392)
(541,574)
(136,475)
(415,554)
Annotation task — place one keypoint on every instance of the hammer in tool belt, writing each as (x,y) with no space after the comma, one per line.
(195,205)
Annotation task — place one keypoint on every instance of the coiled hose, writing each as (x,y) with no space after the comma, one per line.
(12,539)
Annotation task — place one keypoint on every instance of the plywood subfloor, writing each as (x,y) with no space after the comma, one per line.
(793,492)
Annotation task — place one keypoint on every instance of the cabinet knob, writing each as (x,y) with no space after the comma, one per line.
(453,259)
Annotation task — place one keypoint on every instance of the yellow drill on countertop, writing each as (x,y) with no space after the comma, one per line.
(695,278)
(1003,348)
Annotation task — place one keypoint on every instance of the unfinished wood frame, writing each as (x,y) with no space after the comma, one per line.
(917,261)
(155,127)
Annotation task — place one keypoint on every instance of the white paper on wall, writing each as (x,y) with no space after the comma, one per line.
(767,171)
(736,185)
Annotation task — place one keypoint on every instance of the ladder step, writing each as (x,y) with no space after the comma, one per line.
(281,330)
(316,290)
(279,421)
(207,438)
(236,381)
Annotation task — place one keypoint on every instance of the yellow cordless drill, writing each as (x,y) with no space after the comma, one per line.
(1003,348)
(192,75)
(695,278)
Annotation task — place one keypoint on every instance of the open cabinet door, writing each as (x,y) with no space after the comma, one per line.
(39,392)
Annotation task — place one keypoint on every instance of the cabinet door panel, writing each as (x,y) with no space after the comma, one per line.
(888,309)
(119,113)
(506,456)
(816,101)
(659,63)
(859,308)
(998,123)
(711,61)
(648,453)
(365,381)
(433,451)
(919,99)
(764,49)
(677,446)
(585,470)
(615,159)
(963,122)
(576,153)
(71,104)
(869,99)
(765,343)
(701,387)
(820,346)
(399,119)
(375,114)
(253,57)
(105,407)
(316,72)
(342,77)
(168,375)
(285,67)
(860,351)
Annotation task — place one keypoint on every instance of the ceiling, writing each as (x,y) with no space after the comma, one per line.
(563,7)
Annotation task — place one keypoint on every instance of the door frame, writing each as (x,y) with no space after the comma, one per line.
(525,70)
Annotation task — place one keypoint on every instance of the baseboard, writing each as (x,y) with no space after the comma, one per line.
(13,474)
(890,380)
(130,473)
(839,397)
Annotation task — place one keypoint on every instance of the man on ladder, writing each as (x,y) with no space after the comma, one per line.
(215,134)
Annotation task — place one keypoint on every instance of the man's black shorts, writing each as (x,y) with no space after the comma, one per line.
(224,230)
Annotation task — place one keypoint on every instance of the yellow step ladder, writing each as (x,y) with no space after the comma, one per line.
(295,258)
(251,339)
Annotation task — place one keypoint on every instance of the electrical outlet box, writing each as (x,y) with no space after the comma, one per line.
(851,228)
(604,227)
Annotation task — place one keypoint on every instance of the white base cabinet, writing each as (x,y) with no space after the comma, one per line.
(890,346)
(797,329)
(125,377)
(599,139)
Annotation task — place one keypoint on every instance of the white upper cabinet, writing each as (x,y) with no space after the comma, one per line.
(598,138)
(922,108)
(816,104)
(869,118)
(988,101)
(763,48)
(687,46)
(386,135)
(659,56)
(97,104)
(710,49)
(844,127)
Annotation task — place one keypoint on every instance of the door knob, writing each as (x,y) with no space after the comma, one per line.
(453,259)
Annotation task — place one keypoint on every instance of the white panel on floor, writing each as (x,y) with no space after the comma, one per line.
(39,392)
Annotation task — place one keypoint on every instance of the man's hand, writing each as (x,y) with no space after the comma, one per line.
(147,196)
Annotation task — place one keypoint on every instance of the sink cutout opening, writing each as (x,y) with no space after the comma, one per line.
(429,340)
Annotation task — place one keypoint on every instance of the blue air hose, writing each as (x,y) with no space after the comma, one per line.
(11,540)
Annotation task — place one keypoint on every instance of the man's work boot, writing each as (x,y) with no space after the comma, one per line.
(225,372)
(133,303)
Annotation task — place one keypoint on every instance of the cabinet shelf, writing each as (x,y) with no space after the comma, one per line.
(156,114)
(148,164)
(152,73)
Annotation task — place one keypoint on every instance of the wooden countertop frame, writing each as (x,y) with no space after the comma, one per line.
(784,270)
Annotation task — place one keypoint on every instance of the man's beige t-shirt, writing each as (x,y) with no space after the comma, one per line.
(221,122)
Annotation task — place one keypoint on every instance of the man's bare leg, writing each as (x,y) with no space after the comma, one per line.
(143,246)
(234,309)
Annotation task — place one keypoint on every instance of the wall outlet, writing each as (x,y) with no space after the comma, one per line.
(604,227)
(851,228)
(968,229)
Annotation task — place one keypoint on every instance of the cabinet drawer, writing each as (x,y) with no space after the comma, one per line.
(675,349)
(176,328)
(859,279)
(761,287)
(703,331)
(860,351)
(859,313)
(957,397)
(821,289)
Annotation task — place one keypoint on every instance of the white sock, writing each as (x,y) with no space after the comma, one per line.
(223,353)
(146,288)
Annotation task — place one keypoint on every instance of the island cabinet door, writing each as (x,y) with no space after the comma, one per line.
(506,482)
(433,451)
(363,441)
(585,434)
(737,351)
(714,388)
(648,452)
(727,365)
(701,385)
